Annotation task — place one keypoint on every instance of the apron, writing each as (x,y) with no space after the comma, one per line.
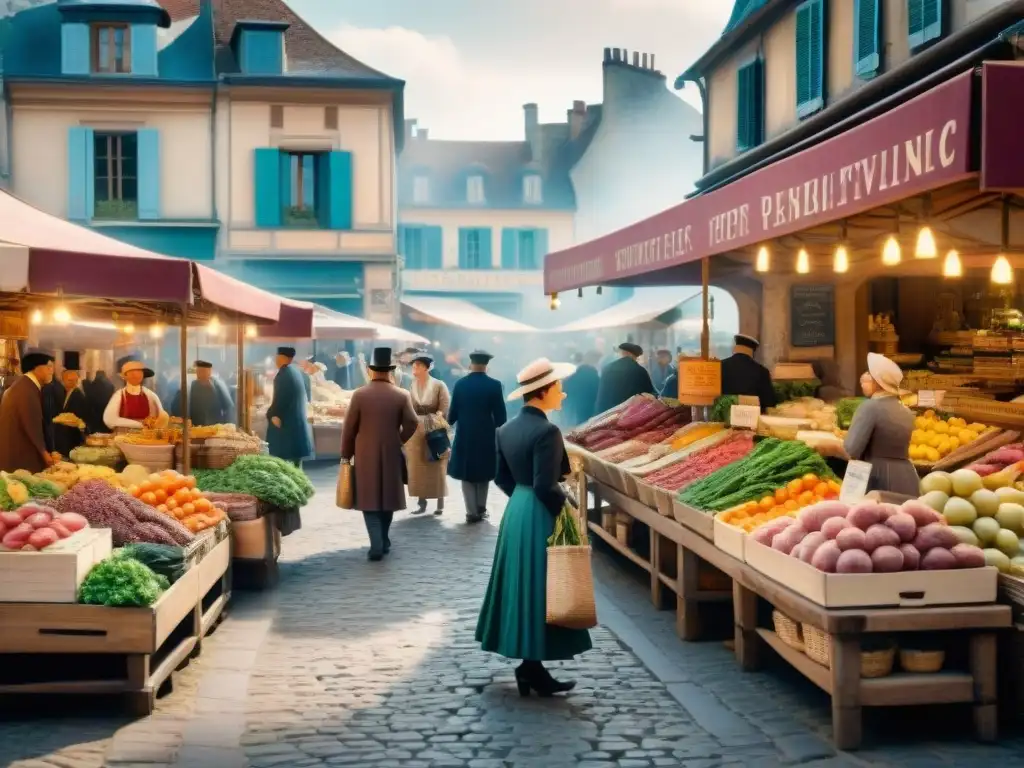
(134,407)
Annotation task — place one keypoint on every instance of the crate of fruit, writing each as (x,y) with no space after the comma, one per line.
(52,575)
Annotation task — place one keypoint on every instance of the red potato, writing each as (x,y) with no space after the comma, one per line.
(826,557)
(39,519)
(854,561)
(851,538)
(41,538)
(3,530)
(810,545)
(935,536)
(904,525)
(814,516)
(73,521)
(832,527)
(865,514)
(17,537)
(968,556)
(10,519)
(60,528)
(786,541)
(887,559)
(888,510)
(880,535)
(938,560)
(923,514)
(765,533)
(911,557)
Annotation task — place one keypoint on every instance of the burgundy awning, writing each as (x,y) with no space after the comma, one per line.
(1002,93)
(919,146)
(294,322)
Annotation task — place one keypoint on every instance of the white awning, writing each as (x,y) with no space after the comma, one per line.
(331,325)
(394,333)
(463,314)
(642,307)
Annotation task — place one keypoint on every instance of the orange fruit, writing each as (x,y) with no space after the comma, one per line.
(172,503)
(821,490)
(162,509)
(781,495)
(795,487)
(791,505)
(161,496)
(134,490)
(182,495)
(188,508)
(178,514)
(807,497)
(196,494)
(203,505)
(834,486)
(146,487)
(809,481)
(148,498)
(190,481)
(767,502)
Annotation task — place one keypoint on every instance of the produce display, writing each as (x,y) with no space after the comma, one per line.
(130,520)
(822,417)
(122,581)
(66,475)
(935,438)
(268,478)
(987,512)
(722,407)
(670,453)
(785,502)
(86,454)
(34,527)
(176,495)
(640,417)
(845,410)
(794,390)
(69,419)
(771,465)
(703,462)
(869,537)
(163,559)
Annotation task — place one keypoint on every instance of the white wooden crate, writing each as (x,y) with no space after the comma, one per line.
(55,574)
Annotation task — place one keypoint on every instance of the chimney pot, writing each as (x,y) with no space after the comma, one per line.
(579,106)
(636,59)
(616,52)
(644,60)
(607,54)
(652,61)
(423,133)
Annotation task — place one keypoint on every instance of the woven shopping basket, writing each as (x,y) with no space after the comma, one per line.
(570,579)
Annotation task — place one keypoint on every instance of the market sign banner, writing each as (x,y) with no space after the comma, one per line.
(1002,93)
(916,147)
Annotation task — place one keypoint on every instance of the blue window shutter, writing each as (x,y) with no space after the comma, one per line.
(323,192)
(924,21)
(267,185)
(340,209)
(486,247)
(143,41)
(463,248)
(540,246)
(750,105)
(810,56)
(81,154)
(149,173)
(74,49)
(509,246)
(262,52)
(400,242)
(866,59)
(432,245)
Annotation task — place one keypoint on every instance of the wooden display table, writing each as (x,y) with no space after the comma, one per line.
(846,627)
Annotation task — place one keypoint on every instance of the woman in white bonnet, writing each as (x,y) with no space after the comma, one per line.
(881,429)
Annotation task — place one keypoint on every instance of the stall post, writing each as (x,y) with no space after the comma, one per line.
(186,447)
(705,328)
(240,391)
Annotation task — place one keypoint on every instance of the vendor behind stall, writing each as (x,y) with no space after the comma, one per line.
(881,429)
(743,375)
(67,437)
(22,441)
(623,379)
(133,405)
(209,401)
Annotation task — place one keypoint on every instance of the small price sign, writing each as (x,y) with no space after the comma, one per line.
(855,482)
(744,416)
(930,398)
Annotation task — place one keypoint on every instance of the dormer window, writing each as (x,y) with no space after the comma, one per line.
(421,189)
(532,189)
(111,48)
(475,189)
(259,47)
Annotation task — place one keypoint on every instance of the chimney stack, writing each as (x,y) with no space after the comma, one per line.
(531,127)
(636,59)
(423,133)
(577,117)
(607,54)
(644,61)
(410,128)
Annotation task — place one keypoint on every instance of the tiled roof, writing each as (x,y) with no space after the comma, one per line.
(740,11)
(308,52)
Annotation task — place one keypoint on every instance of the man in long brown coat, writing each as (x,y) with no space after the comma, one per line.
(379,421)
(22,437)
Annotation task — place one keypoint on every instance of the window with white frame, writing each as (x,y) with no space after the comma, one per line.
(532,189)
(421,189)
(475,189)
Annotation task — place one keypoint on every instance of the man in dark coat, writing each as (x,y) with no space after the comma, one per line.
(97,395)
(742,375)
(289,433)
(477,410)
(209,401)
(22,434)
(623,379)
(662,369)
(581,388)
(67,438)
(379,421)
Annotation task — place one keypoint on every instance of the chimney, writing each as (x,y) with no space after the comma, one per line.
(423,133)
(636,59)
(644,61)
(631,80)
(607,54)
(577,118)
(615,54)
(410,129)
(532,129)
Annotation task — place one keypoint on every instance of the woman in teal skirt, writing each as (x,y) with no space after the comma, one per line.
(531,463)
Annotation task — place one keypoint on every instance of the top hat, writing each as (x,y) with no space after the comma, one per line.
(381,360)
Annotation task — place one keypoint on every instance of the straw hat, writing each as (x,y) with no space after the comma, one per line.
(539,374)
(886,374)
(136,365)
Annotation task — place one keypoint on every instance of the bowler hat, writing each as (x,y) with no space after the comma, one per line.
(381,360)
(288,352)
(634,349)
(34,357)
(423,357)
(479,357)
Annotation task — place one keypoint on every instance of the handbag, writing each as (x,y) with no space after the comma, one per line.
(438,440)
(569,590)
(345,496)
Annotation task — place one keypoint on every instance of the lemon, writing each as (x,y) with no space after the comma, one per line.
(929,414)
(977,428)
(920,422)
(954,443)
(942,428)
(933,455)
(944,447)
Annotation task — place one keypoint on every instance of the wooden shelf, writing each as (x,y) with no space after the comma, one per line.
(812,670)
(614,543)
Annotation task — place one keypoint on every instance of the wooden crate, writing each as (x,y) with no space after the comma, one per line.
(55,574)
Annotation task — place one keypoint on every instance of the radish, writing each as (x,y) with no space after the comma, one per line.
(10,519)
(41,538)
(73,521)
(60,528)
(39,519)
(16,538)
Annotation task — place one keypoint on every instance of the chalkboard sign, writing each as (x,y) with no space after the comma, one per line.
(812,316)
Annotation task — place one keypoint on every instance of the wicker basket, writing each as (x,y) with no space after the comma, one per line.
(877,663)
(817,646)
(788,631)
(155,458)
(921,661)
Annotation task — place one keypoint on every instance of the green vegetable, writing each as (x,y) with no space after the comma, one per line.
(845,409)
(723,407)
(567,533)
(771,464)
(792,390)
(122,581)
(6,502)
(269,479)
(165,560)
(39,488)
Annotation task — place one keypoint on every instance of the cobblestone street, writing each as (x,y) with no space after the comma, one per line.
(374,664)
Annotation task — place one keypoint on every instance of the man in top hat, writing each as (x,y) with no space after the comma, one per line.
(476,411)
(379,421)
(289,433)
(22,434)
(209,401)
(72,400)
(623,379)
(134,406)
(742,375)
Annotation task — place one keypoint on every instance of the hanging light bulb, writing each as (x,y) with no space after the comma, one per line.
(156,331)
(213,327)
(1002,271)
(599,291)
(128,328)
(891,254)
(925,248)
(952,266)
(841,261)
(803,262)
(61,315)
(555,303)
(579,293)
(37,317)
(763,263)
(250,331)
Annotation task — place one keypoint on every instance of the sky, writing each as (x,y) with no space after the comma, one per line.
(470,65)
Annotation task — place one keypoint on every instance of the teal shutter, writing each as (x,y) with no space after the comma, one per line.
(81,162)
(750,105)
(74,48)
(486,247)
(866,59)
(463,248)
(340,207)
(810,53)
(267,186)
(323,190)
(143,42)
(432,247)
(400,242)
(509,243)
(540,247)
(149,173)
(924,21)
